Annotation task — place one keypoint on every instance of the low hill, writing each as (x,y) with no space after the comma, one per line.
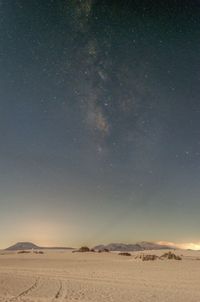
(140,246)
(23,246)
(31,246)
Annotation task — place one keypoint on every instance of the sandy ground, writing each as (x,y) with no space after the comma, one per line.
(65,276)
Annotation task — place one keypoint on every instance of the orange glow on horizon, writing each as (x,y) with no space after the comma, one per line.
(184,246)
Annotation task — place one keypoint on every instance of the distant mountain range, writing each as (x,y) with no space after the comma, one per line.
(31,246)
(140,246)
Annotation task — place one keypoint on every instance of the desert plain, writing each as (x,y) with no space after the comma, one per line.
(97,277)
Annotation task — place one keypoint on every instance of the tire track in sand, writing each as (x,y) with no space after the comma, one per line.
(59,293)
(26,291)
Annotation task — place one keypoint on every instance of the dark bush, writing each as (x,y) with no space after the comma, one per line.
(38,252)
(83,249)
(149,257)
(23,252)
(170,256)
(124,254)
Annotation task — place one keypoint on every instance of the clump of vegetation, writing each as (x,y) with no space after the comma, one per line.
(83,249)
(124,254)
(38,252)
(149,257)
(23,252)
(170,256)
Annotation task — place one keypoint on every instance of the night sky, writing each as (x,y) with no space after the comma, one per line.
(99,121)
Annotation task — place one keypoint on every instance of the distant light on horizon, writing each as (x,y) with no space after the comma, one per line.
(185,246)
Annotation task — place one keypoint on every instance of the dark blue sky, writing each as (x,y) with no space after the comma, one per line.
(99,121)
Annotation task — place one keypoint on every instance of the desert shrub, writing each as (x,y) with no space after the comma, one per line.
(139,256)
(38,252)
(23,252)
(171,256)
(124,254)
(84,249)
(149,257)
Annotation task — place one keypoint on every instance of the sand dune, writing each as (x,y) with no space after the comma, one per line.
(66,276)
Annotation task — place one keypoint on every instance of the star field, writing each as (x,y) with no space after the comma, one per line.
(99,121)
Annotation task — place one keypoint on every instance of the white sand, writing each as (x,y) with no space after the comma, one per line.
(66,276)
